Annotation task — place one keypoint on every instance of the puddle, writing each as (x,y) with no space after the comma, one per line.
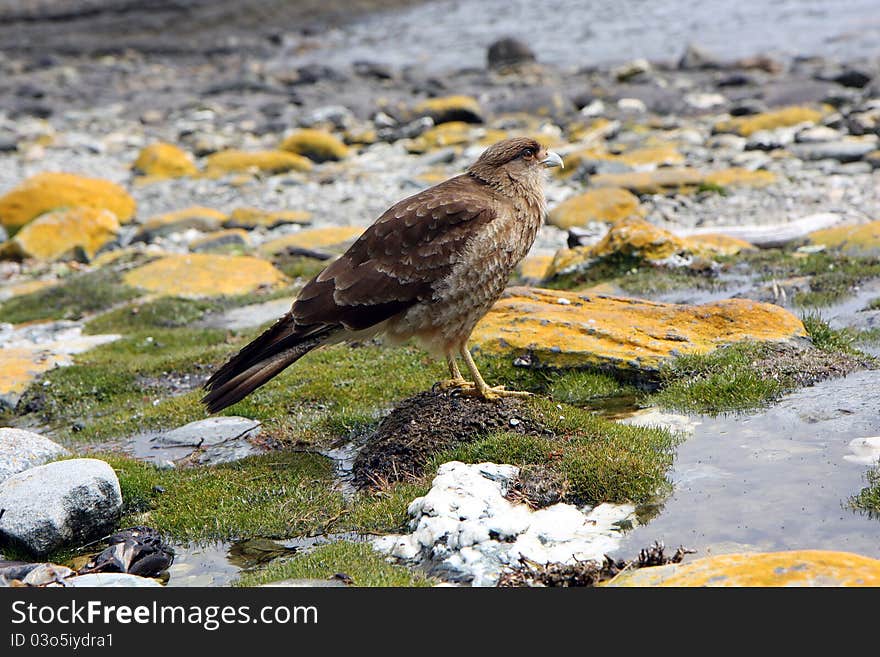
(775,480)
(343,458)
(220,563)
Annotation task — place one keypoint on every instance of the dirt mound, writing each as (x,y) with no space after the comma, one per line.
(432,422)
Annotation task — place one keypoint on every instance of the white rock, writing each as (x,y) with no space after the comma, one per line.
(865,451)
(464,529)
(20,450)
(110,580)
(61,503)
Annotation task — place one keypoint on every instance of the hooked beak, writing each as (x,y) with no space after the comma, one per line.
(552,160)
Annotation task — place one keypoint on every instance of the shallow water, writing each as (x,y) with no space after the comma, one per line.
(452,34)
(774,480)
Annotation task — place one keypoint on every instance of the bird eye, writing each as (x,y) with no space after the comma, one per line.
(528,152)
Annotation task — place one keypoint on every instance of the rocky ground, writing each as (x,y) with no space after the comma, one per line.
(712,246)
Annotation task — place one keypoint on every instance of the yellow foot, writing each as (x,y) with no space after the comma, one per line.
(454,384)
(494,393)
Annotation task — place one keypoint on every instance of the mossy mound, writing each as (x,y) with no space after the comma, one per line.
(61,233)
(54,191)
(781,118)
(317,145)
(271,162)
(204,275)
(607,204)
(162,160)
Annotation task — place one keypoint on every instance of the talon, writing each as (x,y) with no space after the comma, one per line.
(494,393)
(454,384)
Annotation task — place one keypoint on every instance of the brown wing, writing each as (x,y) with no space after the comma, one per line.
(399,259)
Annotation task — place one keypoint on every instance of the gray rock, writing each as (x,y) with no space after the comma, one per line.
(20,450)
(695,59)
(248,316)
(62,503)
(206,442)
(508,52)
(110,580)
(842,151)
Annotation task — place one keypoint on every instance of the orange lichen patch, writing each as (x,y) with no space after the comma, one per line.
(719,244)
(251,218)
(25,287)
(781,118)
(204,275)
(736,176)
(53,191)
(433,177)
(534,268)
(795,568)
(862,237)
(221,239)
(197,217)
(572,329)
(663,154)
(332,238)
(232,161)
(636,237)
(681,179)
(162,160)
(455,133)
(606,204)
(56,234)
(450,108)
(20,366)
(317,145)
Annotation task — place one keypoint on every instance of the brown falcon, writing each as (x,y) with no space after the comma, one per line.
(429,268)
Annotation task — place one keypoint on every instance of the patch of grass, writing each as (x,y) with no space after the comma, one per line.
(828,339)
(298,267)
(713,188)
(598,460)
(76,296)
(276,495)
(582,386)
(868,499)
(163,313)
(873,304)
(359,561)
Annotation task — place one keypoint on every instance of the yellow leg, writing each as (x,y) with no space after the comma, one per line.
(482,389)
(457,380)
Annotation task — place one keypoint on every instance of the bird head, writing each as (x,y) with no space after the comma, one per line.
(519,160)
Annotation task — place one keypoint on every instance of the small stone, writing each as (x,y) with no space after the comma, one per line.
(852,149)
(317,145)
(607,204)
(253,218)
(332,238)
(781,118)
(195,217)
(20,450)
(56,235)
(162,160)
(631,70)
(221,240)
(205,442)
(65,503)
(697,59)
(272,162)
(450,108)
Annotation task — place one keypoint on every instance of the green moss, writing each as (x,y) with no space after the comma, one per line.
(365,566)
(598,460)
(72,298)
(582,386)
(713,188)
(725,380)
(868,499)
(166,312)
(277,495)
(828,339)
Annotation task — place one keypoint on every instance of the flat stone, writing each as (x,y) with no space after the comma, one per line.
(163,160)
(110,580)
(252,218)
(317,145)
(682,179)
(780,118)
(20,450)
(233,161)
(51,191)
(606,204)
(845,150)
(195,217)
(331,238)
(206,442)
(204,275)
(570,329)
(59,504)
(221,239)
(450,108)
(251,316)
(795,568)
(58,234)
(864,238)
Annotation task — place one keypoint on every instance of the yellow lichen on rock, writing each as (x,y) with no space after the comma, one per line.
(534,268)
(665,154)
(197,217)
(251,218)
(56,234)
(331,238)
(450,108)
(236,238)
(232,161)
(571,329)
(795,568)
(454,133)
(857,238)
(317,145)
(20,366)
(781,118)
(204,275)
(53,191)
(641,239)
(163,160)
(682,179)
(606,204)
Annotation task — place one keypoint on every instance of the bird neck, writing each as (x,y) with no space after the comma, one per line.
(528,193)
